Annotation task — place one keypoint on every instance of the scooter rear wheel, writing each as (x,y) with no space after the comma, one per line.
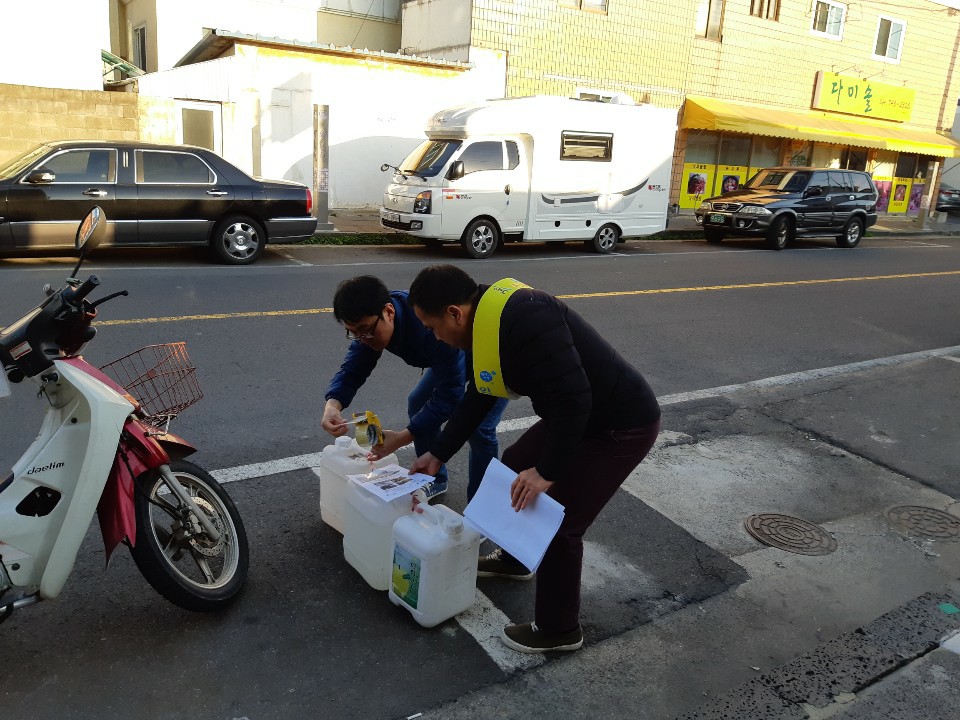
(174,554)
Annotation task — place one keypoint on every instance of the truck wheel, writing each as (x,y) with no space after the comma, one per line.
(780,233)
(605,240)
(852,232)
(480,240)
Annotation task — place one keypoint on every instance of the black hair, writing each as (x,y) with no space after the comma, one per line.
(359,297)
(438,286)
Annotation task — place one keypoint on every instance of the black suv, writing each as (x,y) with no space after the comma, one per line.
(786,202)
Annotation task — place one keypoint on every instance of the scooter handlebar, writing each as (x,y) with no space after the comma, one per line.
(75,296)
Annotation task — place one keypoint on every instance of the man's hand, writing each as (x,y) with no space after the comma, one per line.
(526,487)
(332,421)
(426,464)
(392,441)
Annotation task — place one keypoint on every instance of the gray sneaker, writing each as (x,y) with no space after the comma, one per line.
(528,638)
(500,564)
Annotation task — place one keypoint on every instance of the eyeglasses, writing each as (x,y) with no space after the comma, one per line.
(364,334)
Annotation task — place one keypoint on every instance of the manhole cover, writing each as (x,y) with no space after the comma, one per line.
(925,522)
(790,534)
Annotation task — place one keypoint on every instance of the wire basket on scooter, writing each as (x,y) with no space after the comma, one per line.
(160,377)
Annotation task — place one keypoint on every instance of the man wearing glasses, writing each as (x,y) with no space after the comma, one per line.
(377,319)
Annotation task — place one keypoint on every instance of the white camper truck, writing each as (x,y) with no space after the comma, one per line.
(535,168)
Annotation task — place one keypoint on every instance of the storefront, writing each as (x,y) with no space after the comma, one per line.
(853,124)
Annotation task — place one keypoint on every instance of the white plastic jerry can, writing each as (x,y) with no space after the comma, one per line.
(345,457)
(368,532)
(434,568)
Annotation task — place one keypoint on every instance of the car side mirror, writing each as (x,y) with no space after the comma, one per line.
(41,176)
(91,230)
(814,191)
(456,170)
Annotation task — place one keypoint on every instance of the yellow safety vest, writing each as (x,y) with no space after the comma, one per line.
(487,375)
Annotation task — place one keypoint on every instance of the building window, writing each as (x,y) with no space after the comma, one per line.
(586,146)
(889,40)
(594,5)
(769,9)
(710,19)
(828,18)
(140,47)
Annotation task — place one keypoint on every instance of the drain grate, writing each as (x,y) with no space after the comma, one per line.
(924,522)
(790,534)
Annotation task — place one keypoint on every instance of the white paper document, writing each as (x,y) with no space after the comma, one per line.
(525,534)
(391,481)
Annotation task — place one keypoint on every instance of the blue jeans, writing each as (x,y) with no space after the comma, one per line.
(483,442)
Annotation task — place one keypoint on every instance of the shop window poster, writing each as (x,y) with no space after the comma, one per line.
(732,177)
(900,195)
(883,189)
(916,198)
(696,184)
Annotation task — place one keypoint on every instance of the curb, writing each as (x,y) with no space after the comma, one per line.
(837,669)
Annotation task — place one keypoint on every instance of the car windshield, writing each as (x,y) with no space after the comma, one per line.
(21,163)
(785,180)
(430,157)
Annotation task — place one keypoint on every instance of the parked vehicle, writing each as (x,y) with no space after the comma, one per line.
(153,195)
(538,168)
(105,447)
(782,203)
(948,199)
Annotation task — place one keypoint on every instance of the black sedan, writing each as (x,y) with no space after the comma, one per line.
(152,195)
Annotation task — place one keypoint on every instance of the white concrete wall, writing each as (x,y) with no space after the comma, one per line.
(378,111)
(54,44)
(436,28)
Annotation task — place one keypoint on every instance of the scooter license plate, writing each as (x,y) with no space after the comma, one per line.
(717,218)
(4,384)
(391,216)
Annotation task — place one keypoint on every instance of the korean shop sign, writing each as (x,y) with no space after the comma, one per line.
(854,96)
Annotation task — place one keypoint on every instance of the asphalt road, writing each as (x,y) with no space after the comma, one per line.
(308,638)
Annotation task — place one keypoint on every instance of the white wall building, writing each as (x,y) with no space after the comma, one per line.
(254,101)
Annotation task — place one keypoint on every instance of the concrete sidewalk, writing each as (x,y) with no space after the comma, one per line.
(367,220)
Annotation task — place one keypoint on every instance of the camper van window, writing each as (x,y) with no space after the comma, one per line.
(430,157)
(484,155)
(586,146)
(513,155)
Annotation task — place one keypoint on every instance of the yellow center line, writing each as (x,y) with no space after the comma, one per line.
(618,293)
(745,286)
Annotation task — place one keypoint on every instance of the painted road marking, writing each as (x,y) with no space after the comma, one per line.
(311,460)
(578,296)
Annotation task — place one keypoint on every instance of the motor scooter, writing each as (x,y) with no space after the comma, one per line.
(105,446)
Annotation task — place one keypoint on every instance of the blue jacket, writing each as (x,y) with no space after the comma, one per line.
(417,347)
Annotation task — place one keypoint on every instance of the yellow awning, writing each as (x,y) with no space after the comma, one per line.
(703,113)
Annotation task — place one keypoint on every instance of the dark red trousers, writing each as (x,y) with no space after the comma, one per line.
(601,466)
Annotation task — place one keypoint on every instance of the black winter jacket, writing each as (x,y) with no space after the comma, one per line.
(578,384)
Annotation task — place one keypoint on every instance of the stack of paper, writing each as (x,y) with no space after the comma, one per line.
(525,534)
(391,481)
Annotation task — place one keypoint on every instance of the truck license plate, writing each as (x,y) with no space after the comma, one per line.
(391,216)
(716,218)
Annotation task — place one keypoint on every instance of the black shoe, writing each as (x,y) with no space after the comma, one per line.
(528,638)
(499,564)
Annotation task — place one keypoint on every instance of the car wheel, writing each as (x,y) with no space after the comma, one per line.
(852,232)
(780,233)
(605,240)
(713,236)
(238,240)
(480,240)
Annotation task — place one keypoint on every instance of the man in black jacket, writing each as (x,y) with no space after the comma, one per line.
(598,420)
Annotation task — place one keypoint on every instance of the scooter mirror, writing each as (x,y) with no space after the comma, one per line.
(91,229)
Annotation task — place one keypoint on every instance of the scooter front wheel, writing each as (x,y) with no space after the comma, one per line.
(175,554)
